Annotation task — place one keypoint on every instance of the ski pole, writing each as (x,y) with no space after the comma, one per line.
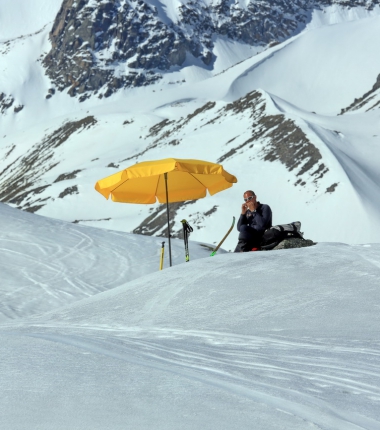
(187,229)
(162,255)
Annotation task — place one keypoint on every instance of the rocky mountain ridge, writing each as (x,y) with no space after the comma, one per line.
(35,179)
(369,101)
(100,47)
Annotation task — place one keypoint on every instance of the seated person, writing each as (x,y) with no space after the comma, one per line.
(255,218)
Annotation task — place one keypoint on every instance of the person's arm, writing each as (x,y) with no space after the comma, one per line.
(241,221)
(263,220)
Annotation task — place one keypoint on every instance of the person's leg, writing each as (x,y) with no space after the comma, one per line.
(248,238)
(256,239)
(241,246)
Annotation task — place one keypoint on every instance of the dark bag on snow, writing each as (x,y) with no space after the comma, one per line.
(276,234)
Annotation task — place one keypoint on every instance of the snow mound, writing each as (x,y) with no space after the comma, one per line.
(313,291)
(46,263)
(286,339)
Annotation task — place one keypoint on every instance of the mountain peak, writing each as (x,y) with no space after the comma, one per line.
(100,47)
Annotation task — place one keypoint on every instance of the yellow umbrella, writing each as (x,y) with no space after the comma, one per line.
(168,180)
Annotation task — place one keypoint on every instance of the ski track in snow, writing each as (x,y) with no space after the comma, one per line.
(198,345)
(48,263)
(68,262)
(298,378)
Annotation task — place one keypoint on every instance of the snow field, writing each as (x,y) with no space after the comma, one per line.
(282,338)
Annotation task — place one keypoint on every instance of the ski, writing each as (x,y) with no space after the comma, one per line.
(224,238)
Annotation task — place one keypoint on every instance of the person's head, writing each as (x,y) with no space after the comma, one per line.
(250,199)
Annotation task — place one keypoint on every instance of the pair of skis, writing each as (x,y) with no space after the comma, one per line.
(187,229)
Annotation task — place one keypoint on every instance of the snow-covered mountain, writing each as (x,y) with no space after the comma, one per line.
(284,94)
(104,46)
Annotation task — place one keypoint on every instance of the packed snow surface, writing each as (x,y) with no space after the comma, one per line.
(280,339)
(70,262)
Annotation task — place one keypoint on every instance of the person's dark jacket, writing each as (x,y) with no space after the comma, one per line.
(259,220)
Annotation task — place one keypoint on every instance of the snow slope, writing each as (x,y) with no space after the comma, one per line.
(281,339)
(47,263)
(319,71)
(20,18)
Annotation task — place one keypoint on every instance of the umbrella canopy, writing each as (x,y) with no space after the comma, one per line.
(168,180)
(145,182)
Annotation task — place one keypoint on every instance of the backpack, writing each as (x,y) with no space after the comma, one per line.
(276,234)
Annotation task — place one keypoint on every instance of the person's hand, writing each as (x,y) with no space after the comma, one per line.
(252,205)
(244,208)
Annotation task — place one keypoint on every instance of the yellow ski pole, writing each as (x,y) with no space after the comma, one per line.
(162,255)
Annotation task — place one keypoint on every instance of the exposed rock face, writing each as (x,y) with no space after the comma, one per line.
(370,100)
(286,142)
(6,102)
(156,223)
(21,181)
(90,39)
(118,43)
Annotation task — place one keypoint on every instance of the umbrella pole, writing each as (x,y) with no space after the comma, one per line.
(167,213)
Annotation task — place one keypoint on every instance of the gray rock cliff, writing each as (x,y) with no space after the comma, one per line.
(99,47)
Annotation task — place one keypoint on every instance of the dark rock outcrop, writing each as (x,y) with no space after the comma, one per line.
(369,100)
(92,43)
(99,47)
(294,242)
(20,181)
(5,102)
